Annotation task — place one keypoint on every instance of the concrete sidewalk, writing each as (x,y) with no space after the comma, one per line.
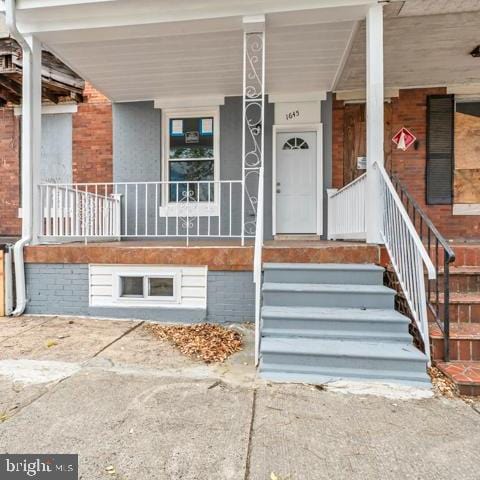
(110,392)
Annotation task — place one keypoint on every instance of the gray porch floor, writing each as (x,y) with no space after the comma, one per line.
(119,398)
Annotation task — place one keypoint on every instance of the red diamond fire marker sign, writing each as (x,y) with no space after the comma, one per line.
(404,139)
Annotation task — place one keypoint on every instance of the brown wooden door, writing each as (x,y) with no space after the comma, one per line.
(355,137)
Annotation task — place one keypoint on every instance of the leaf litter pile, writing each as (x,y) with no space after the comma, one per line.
(207,342)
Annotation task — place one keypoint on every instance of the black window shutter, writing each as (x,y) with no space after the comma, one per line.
(439,175)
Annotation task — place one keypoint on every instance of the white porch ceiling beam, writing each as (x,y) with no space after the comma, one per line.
(38,17)
(375,120)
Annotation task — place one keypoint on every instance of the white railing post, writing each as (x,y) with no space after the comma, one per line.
(330,213)
(375,122)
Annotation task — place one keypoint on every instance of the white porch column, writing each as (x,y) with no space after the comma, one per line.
(31,137)
(375,125)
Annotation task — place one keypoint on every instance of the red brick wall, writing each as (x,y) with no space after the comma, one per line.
(10,224)
(92,139)
(410,110)
(91,156)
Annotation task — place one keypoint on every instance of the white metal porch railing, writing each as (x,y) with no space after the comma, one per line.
(346,211)
(203,209)
(408,255)
(75,211)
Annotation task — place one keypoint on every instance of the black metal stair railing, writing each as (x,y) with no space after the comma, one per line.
(435,242)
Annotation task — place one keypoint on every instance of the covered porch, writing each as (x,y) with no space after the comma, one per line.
(222,120)
(222,133)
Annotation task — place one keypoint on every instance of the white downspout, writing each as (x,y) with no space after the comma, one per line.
(27,167)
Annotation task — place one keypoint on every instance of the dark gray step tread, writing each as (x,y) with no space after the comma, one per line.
(359,267)
(336,314)
(336,334)
(315,375)
(327,288)
(341,348)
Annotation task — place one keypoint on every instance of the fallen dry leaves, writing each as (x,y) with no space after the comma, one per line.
(207,342)
(442,384)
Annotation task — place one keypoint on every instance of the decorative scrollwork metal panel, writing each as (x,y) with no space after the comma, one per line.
(253,120)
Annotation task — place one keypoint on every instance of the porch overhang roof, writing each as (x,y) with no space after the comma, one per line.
(153,49)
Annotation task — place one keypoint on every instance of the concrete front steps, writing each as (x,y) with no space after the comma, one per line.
(325,322)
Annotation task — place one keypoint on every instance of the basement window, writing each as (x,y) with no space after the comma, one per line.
(131,287)
(161,287)
(146,287)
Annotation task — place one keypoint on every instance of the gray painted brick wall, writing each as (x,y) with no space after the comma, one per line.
(230,297)
(62,289)
(57,289)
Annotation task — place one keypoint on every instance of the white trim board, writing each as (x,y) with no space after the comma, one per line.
(297,97)
(306,127)
(51,109)
(207,101)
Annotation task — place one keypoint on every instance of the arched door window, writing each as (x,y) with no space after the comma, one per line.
(296,143)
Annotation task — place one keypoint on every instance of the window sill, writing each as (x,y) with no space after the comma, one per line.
(466,209)
(203,209)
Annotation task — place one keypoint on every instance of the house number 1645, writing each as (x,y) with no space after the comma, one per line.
(292,115)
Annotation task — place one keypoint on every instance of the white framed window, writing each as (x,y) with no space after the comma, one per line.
(136,288)
(191,160)
(151,286)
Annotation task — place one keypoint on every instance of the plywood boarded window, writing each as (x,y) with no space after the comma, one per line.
(440,110)
(467,153)
(355,138)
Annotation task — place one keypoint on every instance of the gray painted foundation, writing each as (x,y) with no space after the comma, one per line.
(62,289)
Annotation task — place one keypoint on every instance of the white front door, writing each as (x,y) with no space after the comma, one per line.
(296,182)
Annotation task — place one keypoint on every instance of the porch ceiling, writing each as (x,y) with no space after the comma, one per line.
(422,50)
(187,57)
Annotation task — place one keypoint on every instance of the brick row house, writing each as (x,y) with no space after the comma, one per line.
(238,165)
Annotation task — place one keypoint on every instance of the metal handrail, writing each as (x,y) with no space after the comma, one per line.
(426,230)
(407,253)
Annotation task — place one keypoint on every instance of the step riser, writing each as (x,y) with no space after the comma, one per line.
(319,376)
(331,254)
(460,349)
(463,312)
(332,325)
(318,277)
(326,361)
(328,299)
(359,337)
(462,283)
(465,256)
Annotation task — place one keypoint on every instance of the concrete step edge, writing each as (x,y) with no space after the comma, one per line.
(327,288)
(336,334)
(373,315)
(340,348)
(322,376)
(358,267)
